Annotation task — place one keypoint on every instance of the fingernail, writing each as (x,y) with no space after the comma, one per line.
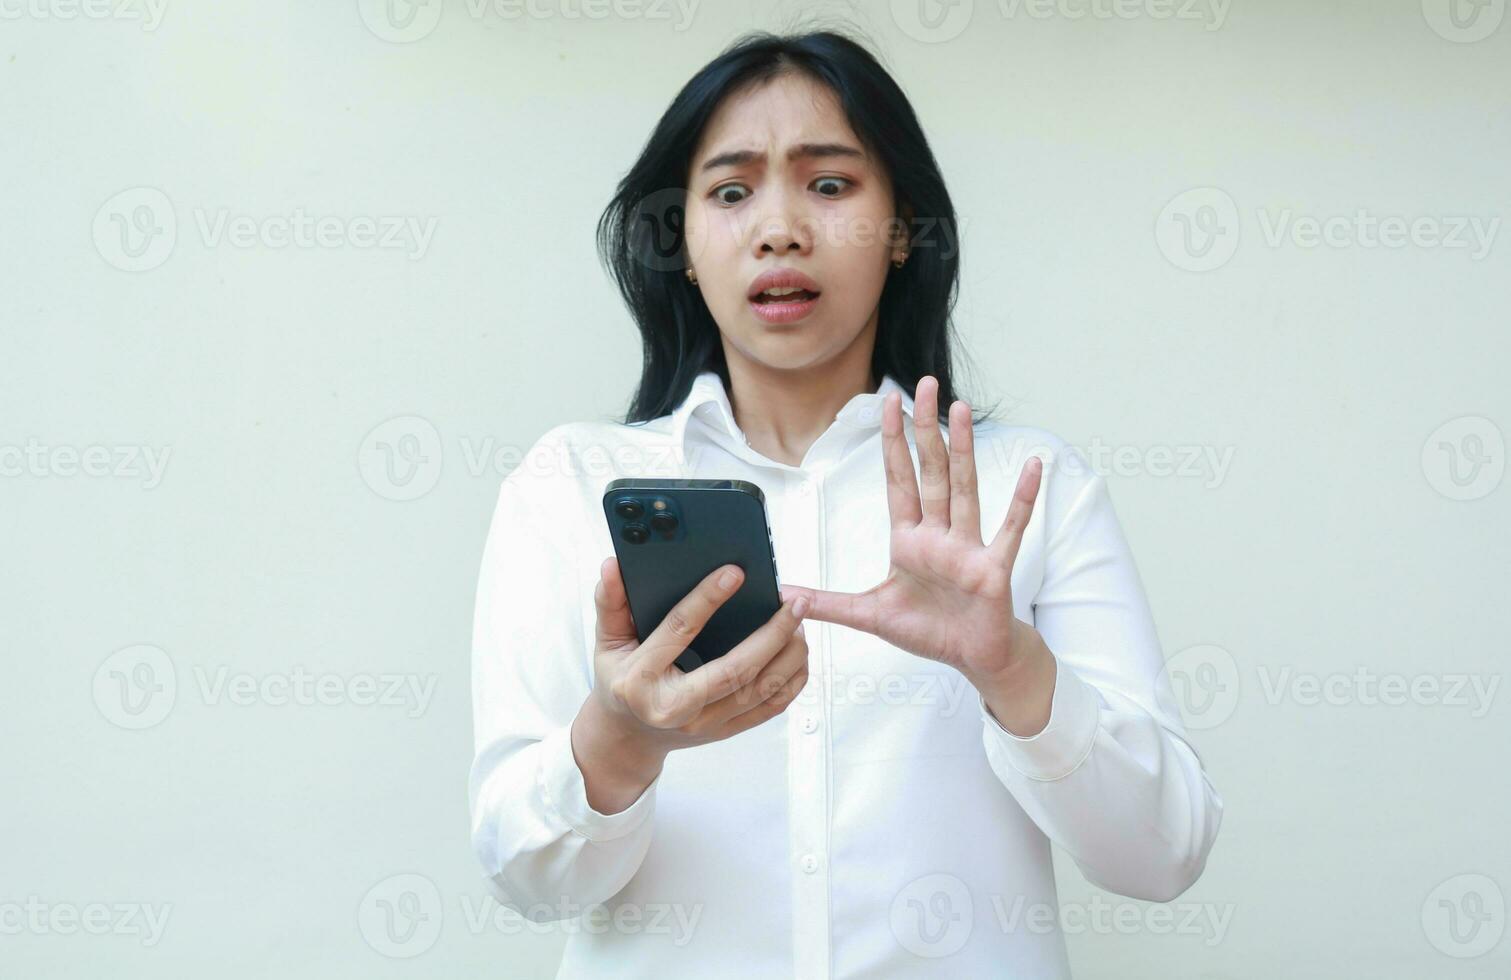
(727,580)
(800,606)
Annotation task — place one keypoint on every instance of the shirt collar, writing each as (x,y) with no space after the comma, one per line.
(708,398)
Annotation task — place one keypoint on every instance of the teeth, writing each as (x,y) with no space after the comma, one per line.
(781,292)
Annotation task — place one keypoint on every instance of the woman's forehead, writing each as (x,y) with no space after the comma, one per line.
(783,112)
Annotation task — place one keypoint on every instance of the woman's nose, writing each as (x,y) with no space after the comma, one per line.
(783,228)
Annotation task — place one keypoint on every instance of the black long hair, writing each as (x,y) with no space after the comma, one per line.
(640,233)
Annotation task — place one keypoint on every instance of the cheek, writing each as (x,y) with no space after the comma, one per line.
(695,229)
(725,232)
(710,228)
(862,229)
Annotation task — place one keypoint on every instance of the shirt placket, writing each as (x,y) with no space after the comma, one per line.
(801,561)
(808,723)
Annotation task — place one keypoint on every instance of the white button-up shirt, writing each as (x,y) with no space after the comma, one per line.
(885,824)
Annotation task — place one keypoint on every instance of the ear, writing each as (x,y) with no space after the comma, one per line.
(901,228)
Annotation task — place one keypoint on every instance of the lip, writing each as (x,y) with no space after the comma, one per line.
(776,278)
(782,312)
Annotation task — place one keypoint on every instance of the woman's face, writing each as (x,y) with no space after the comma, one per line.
(779,181)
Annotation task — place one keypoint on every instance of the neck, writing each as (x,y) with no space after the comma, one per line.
(783,411)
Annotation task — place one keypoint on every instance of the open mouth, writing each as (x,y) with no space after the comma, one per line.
(783,295)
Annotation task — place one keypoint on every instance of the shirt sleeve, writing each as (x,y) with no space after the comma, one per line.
(545,851)
(1111,779)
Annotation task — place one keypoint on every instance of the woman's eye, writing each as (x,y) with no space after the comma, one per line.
(720,193)
(839,183)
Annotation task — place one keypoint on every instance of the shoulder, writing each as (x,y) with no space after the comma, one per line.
(573,461)
(1010,446)
(589,435)
(1068,481)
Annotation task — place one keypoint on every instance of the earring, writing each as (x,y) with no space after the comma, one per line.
(897,263)
(691,276)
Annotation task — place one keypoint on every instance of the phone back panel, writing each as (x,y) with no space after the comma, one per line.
(717,522)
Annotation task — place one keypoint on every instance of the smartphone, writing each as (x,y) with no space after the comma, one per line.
(669,534)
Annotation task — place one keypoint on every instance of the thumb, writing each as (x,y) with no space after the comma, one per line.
(616,627)
(855,610)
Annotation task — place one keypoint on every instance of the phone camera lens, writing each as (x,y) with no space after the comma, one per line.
(636,534)
(629,508)
(664,523)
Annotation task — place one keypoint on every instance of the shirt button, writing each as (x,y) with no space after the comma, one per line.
(810,863)
(810,723)
(804,488)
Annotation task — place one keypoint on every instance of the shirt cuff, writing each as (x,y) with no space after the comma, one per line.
(1066,741)
(562,787)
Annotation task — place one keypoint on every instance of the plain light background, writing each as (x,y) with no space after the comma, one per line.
(296,531)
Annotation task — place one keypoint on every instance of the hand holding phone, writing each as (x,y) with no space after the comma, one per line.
(670,534)
(649,700)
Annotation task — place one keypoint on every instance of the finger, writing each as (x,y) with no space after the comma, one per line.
(1004,546)
(791,660)
(965,508)
(750,656)
(767,709)
(933,458)
(687,618)
(902,484)
(616,627)
(857,610)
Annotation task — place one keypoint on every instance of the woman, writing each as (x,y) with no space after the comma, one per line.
(952,706)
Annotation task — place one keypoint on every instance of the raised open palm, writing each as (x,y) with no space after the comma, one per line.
(947,596)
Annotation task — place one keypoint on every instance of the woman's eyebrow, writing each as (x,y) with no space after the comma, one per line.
(800,151)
